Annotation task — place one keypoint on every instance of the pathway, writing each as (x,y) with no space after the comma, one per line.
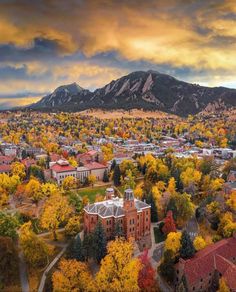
(23,273)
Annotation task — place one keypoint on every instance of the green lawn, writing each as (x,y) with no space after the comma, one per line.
(159,236)
(92,192)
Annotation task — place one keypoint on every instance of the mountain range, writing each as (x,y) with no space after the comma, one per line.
(149,90)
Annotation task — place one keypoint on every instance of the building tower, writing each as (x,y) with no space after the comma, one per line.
(130,214)
(109,193)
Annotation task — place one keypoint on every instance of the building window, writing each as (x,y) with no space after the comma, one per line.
(133,221)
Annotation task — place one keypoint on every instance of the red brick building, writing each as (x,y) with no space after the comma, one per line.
(208,265)
(132,215)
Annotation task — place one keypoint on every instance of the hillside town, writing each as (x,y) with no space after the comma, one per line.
(77,192)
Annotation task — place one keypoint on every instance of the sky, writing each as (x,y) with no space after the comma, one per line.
(48,43)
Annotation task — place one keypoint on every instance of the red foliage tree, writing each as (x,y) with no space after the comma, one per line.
(169,223)
(146,277)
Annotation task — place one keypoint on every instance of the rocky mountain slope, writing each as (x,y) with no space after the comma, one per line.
(149,90)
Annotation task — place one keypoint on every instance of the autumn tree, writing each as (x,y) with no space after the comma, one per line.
(184,206)
(172,242)
(69,183)
(223,287)
(146,277)
(33,190)
(99,242)
(72,276)
(187,249)
(18,168)
(119,271)
(73,226)
(169,223)
(227,225)
(35,250)
(199,243)
(231,202)
(92,179)
(56,211)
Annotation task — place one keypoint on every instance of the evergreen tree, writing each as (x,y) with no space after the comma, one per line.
(87,246)
(154,215)
(187,249)
(105,176)
(113,164)
(24,154)
(166,268)
(116,176)
(99,242)
(75,249)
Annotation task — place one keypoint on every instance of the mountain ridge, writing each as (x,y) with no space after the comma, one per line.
(148,90)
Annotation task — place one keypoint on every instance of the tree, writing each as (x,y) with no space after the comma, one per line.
(48,189)
(166,267)
(87,246)
(171,188)
(231,202)
(18,168)
(73,226)
(117,176)
(154,213)
(169,224)
(99,242)
(8,261)
(172,242)
(113,164)
(72,276)
(35,250)
(146,277)
(223,287)
(184,206)
(119,270)
(69,183)
(187,249)
(227,225)
(33,190)
(199,243)
(92,179)
(105,176)
(8,225)
(56,211)
(36,171)
(75,250)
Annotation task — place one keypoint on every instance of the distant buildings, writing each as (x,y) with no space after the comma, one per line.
(208,265)
(61,169)
(131,215)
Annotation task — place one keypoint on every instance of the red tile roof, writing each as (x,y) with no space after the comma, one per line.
(5,168)
(4,158)
(95,165)
(62,168)
(208,259)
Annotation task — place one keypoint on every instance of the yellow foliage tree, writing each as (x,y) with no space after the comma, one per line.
(199,243)
(173,242)
(227,225)
(223,286)
(119,270)
(72,276)
(171,188)
(72,161)
(35,250)
(69,183)
(73,226)
(33,190)
(56,211)
(138,192)
(18,168)
(231,202)
(190,176)
(49,189)
(92,179)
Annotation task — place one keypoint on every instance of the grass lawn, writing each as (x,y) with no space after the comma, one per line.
(159,236)
(92,192)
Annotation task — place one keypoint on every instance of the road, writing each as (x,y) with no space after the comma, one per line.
(23,273)
(192,227)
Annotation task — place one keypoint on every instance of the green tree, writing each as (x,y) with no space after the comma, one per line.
(87,246)
(117,176)
(99,242)
(105,176)
(8,225)
(118,230)
(166,267)
(187,249)
(75,250)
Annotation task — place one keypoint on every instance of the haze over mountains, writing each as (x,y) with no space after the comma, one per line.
(149,90)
